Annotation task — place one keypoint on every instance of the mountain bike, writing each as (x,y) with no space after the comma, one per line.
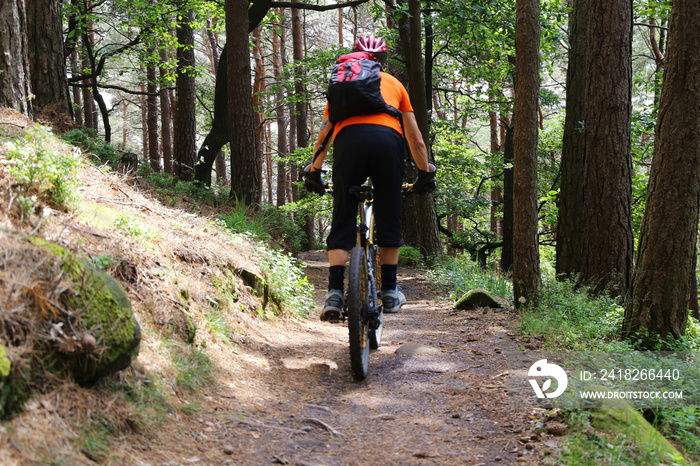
(363,306)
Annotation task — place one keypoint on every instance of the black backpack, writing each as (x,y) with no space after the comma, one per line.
(354,88)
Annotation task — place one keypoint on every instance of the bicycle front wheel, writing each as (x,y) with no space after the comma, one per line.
(358,305)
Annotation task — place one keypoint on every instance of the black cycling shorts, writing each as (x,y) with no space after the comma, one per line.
(362,151)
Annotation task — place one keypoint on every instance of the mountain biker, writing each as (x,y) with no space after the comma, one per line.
(370,146)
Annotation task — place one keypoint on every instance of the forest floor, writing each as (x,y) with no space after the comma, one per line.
(283,391)
(445,406)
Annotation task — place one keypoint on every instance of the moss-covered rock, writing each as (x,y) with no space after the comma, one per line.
(105,313)
(477,298)
(618,416)
(257,283)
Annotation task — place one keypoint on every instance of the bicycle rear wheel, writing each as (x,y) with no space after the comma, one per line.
(358,305)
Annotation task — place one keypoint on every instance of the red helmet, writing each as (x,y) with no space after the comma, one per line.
(370,44)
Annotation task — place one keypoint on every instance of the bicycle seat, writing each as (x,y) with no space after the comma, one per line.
(362,193)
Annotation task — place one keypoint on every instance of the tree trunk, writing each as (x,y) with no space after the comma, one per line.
(508,156)
(77,94)
(144,123)
(166,115)
(658,300)
(89,113)
(607,178)
(185,150)
(278,60)
(526,256)
(152,116)
(301,114)
(245,166)
(47,60)
(15,87)
(258,102)
(570,243)
(420,218)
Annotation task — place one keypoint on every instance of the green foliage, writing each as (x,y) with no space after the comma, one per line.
(289,287)
(282,228)
(683,426)
(460,274)
(409,255)
(41,167)
(91,143)
(174,190)
(587,446)
(570,318)
(133,226)
(243,219)
(102,261)
(217,325)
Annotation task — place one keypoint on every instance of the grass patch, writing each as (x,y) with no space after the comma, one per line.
(570,318)
(194,369)
(94,441)
(460,274)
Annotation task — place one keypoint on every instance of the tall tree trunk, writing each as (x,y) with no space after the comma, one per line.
(258,102)
(47,61)
(420,218)
(570,242)
(185,150)
(278,61)
(144,123)
(508,157)
(125,122)
(245,166)
(77,94)
(166,114)
(152,116)
(301,114)
(15,87)
(526,255)
(497,189)
(89,110)
(658,299)
(607,177)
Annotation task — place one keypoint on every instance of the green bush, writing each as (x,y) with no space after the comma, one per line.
(42,167)
(571,318)
(460,274)
(175,190)
(409,255)
(90,142)
(289,287)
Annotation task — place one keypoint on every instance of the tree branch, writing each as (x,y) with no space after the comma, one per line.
(308,6)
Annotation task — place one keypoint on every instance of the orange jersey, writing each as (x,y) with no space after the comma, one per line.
(394,94)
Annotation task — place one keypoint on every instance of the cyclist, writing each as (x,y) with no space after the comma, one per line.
(370,146)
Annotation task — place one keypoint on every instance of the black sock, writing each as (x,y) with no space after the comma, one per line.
(336,276)
(389,277)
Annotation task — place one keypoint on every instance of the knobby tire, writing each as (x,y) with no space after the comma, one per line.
(358,304)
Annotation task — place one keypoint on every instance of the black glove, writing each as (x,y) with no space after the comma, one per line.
(426,182)
(313,182)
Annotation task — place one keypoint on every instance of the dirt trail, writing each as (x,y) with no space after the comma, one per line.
(294,401)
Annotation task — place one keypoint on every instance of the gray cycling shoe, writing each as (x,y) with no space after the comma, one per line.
(333,306)
(392,300)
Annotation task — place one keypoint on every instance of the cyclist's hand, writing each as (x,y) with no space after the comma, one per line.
(313,182)
(426,181)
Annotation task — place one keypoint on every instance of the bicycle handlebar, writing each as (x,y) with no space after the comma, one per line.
(366,192)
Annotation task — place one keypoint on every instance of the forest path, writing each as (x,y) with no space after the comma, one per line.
(296,402)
